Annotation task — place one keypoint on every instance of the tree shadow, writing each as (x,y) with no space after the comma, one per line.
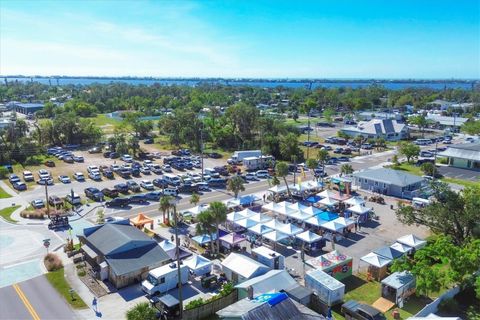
(353,282)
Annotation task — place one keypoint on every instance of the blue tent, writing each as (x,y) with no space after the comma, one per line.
(313,199)
(327,216)
(244,200)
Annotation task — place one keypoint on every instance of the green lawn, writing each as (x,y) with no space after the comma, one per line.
(58,281)
(7,212)
(102,120)
(4,194)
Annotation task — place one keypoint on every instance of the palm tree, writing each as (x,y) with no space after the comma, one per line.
(281,170)
(165,206)
(142,311)
(218,211)
(274,181)
(312,164)
(323,157)
(195,199)
(235,184)
(205,225)
(346,169)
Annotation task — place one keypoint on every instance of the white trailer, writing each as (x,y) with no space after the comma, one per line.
(327,288)
(255,163)
(164,278)
(238,156)
(269,257)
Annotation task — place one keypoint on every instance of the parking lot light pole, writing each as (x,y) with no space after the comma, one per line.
(46,199)
(173,203)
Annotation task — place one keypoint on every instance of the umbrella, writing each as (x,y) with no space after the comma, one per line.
(232,238)
(275,236)
(260,229)
(260,218)
(316,221)
(360,209)
(290,229)
(388,253)
(333,226)
(376,260)
(246,223)
(355,201)
(328,201)
(308,236)
(412,241)
(328,216)
(401,247)
(167,245)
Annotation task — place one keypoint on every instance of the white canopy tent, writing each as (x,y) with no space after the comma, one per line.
(275,236)
(346,222)
(315,221)
(167,245)
(260,218)
(333,226)
(278,189)
(196,210)
(311,210)
(239,215)
(310,185)
(412,241)
(269,206)
(246,223)
(354,201)
(326,194)
(260,229)
(274,224)
(290,229)
(359,209)
(308,236)
(300,215)
(375,260)
(328,201)
(403,248)
(198,265)
(298,206)
(286,211)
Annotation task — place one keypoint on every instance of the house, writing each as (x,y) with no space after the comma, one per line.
(465,155)
(387,129)
(443,122)
(238,268)
(121,253)
(389,182)
(273,306)
(25,108)
(272,281)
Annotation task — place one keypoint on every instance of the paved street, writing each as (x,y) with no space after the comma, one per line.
(34,298)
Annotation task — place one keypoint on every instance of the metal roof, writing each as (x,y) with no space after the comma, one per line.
(137,259)
(272,281)
(389,176)
(468,151)
(398,279)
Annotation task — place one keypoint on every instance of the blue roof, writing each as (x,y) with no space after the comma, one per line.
(313,199)
(272,298)
(327,216)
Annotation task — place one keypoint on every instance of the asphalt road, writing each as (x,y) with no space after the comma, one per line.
(33,299)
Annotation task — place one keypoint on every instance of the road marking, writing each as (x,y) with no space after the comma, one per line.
(25,301)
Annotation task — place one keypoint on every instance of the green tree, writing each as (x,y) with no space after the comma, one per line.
(100,216)
(274,181)
(409,150)
(328,114)
(395,160)
(346,169)
(471,127)
(142,311)
(323,157)
(194,199)
(281,170)
(450,213)
(235,184)
(289,147)
(205,225)
(429,169)
(420,121)
(165,206)
(311,164)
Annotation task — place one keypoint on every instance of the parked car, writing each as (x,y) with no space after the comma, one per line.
(55,201)
(79,176)
(13,178)
(328,148)
(114,155)
(355,310)
(64,179)
(94,194)
(133,186)
(124,173)
(160,183)
(95,175)
(110,192)
(148,141)
(50,163)
(108,174)
(37,204)
(45,181)
(367,146)
(147,185)
(156,168)
(338,150)
(203,186)
(167,168)
(215,155)
(73,199)
(43,174)
(68,159)
(28,176)
(145,170)
(153,196)
(19,186)
(107,154)
(118,202)
(262,174)
(114,167)
(95,150)
(343,159)
(138,198)
(127,158)
(121,187)
(78,159)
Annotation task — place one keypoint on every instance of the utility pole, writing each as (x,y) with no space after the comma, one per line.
(308,135)
(46,198)
(177,244)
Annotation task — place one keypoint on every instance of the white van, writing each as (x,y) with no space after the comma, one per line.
(172,179)
(73,199)
(170,192)
(164,278)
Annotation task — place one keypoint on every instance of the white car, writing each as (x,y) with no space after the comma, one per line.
(114,167)
(147,185)
(79,176)
(263,174)
(28,176)
(43,174)
(148,163)
(94,175)
(37,204)
(145,170)
(64,179)
(203,186)
(92,169)
(167,168)
(250,176)
(127,158)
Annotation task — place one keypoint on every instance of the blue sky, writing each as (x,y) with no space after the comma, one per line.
(287,39)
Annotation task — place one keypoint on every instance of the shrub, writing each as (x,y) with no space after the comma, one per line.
(34,160)
(4,173)
(52,262)
(81,272)
(36,214)
(194,304)
(442,160)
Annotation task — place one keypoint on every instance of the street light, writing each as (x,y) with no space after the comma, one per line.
(173,203)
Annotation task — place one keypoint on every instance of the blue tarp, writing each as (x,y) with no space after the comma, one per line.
(272,298)
(248,199)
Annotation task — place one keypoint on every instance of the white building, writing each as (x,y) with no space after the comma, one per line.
(387,129)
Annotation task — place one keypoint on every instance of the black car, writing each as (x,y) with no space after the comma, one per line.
(344,159)
(118,202)
(138,198)
(153,196)
(135,172)
(94,194)
(121,187)
(215,155)
(114,155)
(160,183)
(188,188)
(95,150)
(110,192)
(108,173)
(148,141)
(107,154)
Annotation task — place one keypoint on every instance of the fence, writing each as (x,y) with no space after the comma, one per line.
(210,308)
(433,307)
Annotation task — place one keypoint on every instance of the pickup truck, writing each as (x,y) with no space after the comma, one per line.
(355,310)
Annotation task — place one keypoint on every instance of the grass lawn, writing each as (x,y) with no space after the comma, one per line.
(102,120)
(7,212)
(58,281)
(4,194)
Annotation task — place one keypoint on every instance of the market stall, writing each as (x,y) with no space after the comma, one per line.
(403,248)
(388,252)
(260,229)
(260,218)
(334,263)
(231,240)
(398,286)
(141,220)
(413,241)
(289,229)
(246,223)
(195,210)
(377,268)
(198,265)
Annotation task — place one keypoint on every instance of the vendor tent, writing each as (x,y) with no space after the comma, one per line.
(403,248)
(412,241)
(344,221)
(246,223)
(274,224)
(313,199)
(328,201)
(167,245)
(375,260)
(310,185)
(141,220)
(326,194)
(260,229)
(388,253)
(204,238)
(278,189)
(333,226)
(315,221)
(275,236)
(359,209)
(327,216)
(355,201)
(300,215)
(260,218)
(308,236)
(311,210)
(398,286)
(238,215)
(196,210)
(290,229)
(269,206)
(248,199)
(232,238)
(334,263)
(198,265)
(298,206)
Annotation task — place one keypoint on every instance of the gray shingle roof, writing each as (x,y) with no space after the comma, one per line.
(390,176)
(136,259)
(377,127)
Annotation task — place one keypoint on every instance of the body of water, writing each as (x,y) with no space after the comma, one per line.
(393,85)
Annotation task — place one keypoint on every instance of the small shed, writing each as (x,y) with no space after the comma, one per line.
(398,286)
(327,288)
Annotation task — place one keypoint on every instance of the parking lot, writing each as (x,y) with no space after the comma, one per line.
(459,173)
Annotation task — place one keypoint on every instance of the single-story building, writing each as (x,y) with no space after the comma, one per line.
(121,253)
(389,182)
(272,281)
(444,122)
(26,108)
(465,155)
(238,268)
(387,129)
